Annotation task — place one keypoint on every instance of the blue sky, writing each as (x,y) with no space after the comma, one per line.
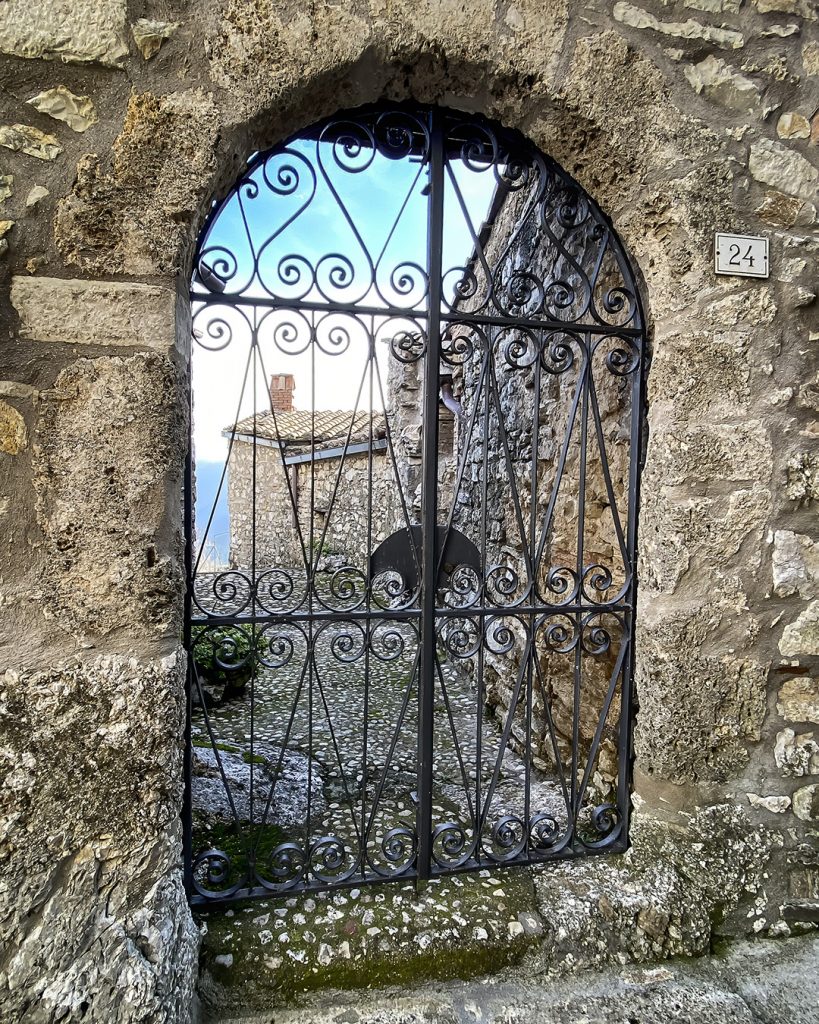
(381,209)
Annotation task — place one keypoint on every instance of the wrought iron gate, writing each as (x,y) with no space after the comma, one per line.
(416,656)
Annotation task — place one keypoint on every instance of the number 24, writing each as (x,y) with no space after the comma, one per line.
(734,259)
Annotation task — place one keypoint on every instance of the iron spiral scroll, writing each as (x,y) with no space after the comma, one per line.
(456,695)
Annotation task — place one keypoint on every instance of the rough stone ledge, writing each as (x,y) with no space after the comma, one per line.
(750,983)
(112,313)
(666,896)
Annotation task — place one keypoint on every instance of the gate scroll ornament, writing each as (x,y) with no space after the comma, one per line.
(426,717)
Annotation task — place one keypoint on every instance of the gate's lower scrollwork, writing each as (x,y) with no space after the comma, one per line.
(412,526)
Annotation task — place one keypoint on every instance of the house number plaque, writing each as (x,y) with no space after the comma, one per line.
(742,255)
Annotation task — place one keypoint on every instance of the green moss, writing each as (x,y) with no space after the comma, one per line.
(444,917)
(206,744)
(249,758)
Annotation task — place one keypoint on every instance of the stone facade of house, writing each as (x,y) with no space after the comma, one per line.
(120,123)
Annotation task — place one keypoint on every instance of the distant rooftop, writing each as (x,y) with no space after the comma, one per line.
(301,431)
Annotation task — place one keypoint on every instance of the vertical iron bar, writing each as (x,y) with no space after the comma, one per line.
(581,528)
(251,856)
(429,500)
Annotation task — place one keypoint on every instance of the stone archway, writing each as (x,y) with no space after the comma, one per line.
(98,864)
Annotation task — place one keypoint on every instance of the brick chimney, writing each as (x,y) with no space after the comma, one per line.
(282,386)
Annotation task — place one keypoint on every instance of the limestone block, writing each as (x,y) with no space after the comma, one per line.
(696,711)
(793,126)
(628,14)
(801,638)
(789,172)
(13,437)
(113,313)
(23,138)
(798,700)
(6,182)
(796,754)
(672,885)
(91,757)
(806,803)
(803,8)
(718,81)
(150,35)
(698,531)
(774,804)
(73,31)
(720,451)
(78,112)
(795,565)
(36,194)
(107,458)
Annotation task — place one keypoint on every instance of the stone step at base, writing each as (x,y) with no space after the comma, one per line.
(749,983)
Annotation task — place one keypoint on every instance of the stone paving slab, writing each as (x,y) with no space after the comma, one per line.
(762,982)
(270,953)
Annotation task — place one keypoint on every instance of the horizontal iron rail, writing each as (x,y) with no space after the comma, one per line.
(341,615)
(234,301)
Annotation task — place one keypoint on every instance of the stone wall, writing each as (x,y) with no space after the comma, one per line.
(120,122)
(337,494)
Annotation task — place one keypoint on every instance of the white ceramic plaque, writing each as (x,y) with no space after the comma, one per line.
(743,255)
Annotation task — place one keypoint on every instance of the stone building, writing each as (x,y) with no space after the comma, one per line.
(121,122)
(304,462)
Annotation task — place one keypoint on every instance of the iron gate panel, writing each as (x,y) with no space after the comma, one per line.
(451,689)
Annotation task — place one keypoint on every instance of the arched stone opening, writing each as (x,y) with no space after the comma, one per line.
(619,114)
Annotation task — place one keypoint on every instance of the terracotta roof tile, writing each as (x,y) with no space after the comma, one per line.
(295,429)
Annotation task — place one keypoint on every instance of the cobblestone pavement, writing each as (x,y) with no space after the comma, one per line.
(348,727)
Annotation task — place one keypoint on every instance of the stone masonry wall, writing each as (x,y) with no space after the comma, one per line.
(120,122)
(339,497)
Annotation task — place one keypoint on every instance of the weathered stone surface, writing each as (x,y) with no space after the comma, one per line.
(723,451)
(658,900)
(6,182)
(774,804)
(697,711)
(798,700)
(793,126)
(806,803)
(113,313)
(796,754)
(63,945)
(795,565)
(749,982)
(13,436)
(699,532)
(111,237)
(636,17)
(62,104)
(802,478)
(718,81)
(106,449)
(150,35)
(804,8)
(29,140)
(289,772)
(74,31)
(35,195)
(801,638)
(275,952)
(771,163)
